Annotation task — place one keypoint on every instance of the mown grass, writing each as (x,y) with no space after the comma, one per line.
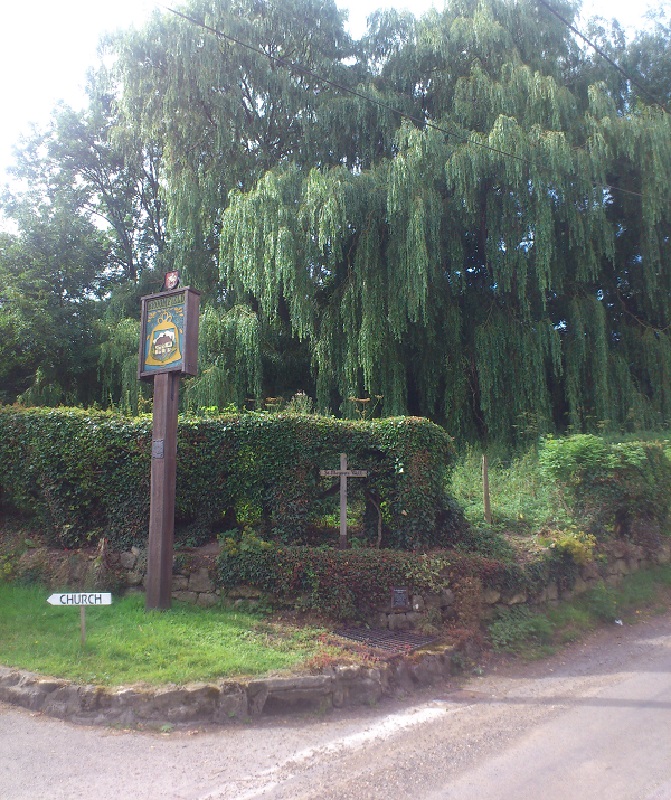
(126,645)
(536,633)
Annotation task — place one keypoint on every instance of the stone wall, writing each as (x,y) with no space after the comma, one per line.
(194,581)
(224,701)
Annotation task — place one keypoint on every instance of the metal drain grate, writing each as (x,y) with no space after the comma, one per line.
(383,639)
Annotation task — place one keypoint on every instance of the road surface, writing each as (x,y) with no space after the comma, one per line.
(593,722)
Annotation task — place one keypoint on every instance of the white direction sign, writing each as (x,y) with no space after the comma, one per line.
(81,599)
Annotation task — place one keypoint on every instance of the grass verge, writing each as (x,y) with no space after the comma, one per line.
(126,645)
(534,634)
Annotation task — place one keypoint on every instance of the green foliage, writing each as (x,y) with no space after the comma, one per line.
(344,584)
(610,484)
(502,267)
(87,474)
(576,544)
(601,602)
(533,633)
(351,584)
(517,628)
(522,498)
(51,277)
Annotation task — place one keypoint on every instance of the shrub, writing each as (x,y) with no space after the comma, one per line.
(86,474)
(518,627)
(346,584)
(577,544)
(609,485)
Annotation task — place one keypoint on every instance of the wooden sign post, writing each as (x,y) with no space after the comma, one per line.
(81,599)
(168,349)
(343,473)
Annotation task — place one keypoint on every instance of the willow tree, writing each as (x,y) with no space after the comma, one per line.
(507,263)
(215,85)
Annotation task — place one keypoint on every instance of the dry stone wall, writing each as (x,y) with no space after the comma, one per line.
(195,581)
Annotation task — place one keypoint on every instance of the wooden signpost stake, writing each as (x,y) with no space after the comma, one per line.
(81,599)
(343,473)
(168,350)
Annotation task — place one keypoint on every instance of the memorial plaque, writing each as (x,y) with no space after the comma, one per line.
(157,448)
(400,598)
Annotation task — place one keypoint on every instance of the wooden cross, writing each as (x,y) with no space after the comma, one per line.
(343,473)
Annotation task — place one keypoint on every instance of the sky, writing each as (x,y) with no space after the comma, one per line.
(46,47)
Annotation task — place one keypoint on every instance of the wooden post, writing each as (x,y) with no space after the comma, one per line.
(486,500)
(168,349)
(163,487)
(343,501)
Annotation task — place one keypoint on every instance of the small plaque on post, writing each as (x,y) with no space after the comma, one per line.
(157,448)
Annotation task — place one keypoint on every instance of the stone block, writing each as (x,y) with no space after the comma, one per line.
(491,596)
(207,599)
(272,695)
(201,582)
(663,555)
(398,622)
(185,597)
(173,703)
(418,604)
(232,704)
(134,578)
(180,583)
(552,592)
(447,597)
(619,549)
(590,572)
(127,560)
(540,596)
(365,691)
(63,702)
(434,601)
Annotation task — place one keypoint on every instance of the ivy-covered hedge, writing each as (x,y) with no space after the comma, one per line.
(611,484)
(352,584)
(87,474)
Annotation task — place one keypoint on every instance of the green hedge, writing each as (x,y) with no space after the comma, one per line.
(610,485)
(87,474)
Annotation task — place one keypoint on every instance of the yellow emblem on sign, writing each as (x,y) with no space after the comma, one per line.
(163,341)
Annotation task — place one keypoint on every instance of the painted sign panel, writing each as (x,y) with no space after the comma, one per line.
(164,332)
(169,333)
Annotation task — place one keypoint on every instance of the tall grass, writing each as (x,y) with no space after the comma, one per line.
(520,498)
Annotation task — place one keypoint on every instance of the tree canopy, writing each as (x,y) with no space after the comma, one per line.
(465,215)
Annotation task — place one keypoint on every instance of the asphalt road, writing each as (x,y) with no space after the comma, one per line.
(593,722)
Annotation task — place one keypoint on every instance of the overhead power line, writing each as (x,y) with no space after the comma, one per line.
(422,123)
(341,87)
(603,55)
